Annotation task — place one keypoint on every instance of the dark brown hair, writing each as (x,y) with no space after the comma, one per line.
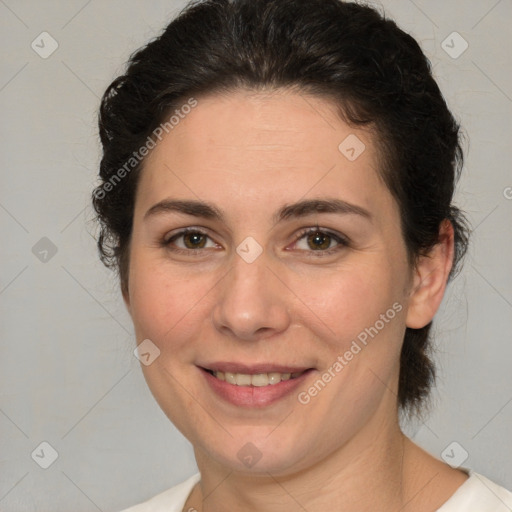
(347,52)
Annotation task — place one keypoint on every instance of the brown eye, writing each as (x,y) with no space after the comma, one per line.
(319,240)
(188,241)
(194,240)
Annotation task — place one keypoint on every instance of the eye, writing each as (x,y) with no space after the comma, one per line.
(319,241)
(191,239)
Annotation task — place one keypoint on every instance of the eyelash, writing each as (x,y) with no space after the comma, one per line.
(341,241)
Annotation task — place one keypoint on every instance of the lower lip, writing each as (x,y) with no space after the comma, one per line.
(254,396)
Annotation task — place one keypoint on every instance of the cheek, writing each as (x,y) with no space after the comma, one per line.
(161,301)
(345,301)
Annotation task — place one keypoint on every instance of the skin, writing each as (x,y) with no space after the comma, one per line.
(249,154)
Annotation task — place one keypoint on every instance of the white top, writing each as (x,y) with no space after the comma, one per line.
(476,494)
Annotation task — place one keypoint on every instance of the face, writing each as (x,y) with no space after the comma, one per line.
(293,262)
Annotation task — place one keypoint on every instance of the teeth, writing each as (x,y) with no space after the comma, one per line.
(258,380)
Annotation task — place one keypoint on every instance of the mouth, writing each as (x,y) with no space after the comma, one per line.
(254,386)
(255,379)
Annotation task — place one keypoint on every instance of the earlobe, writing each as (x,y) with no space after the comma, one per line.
(430,279)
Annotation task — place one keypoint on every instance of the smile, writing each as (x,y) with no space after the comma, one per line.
(257,380)
(254,387)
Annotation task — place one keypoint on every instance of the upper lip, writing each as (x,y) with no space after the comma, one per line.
(252,369)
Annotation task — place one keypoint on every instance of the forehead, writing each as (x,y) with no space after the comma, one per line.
(274,123)
(263,146)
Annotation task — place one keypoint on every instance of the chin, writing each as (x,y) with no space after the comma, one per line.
(259,451)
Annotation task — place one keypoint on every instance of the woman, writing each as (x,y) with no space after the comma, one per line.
(276,194)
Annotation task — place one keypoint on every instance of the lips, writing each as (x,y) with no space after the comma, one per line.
(253,386)
(252,369)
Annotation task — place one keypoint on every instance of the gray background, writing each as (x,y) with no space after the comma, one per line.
(67,372)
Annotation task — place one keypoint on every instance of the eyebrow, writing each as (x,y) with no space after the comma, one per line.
(296,210)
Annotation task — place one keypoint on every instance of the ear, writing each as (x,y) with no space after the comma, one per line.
(430,278)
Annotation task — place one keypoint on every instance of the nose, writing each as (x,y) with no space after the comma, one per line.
(252,302)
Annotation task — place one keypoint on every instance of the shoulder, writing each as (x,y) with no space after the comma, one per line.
(479,493)
(171,500)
